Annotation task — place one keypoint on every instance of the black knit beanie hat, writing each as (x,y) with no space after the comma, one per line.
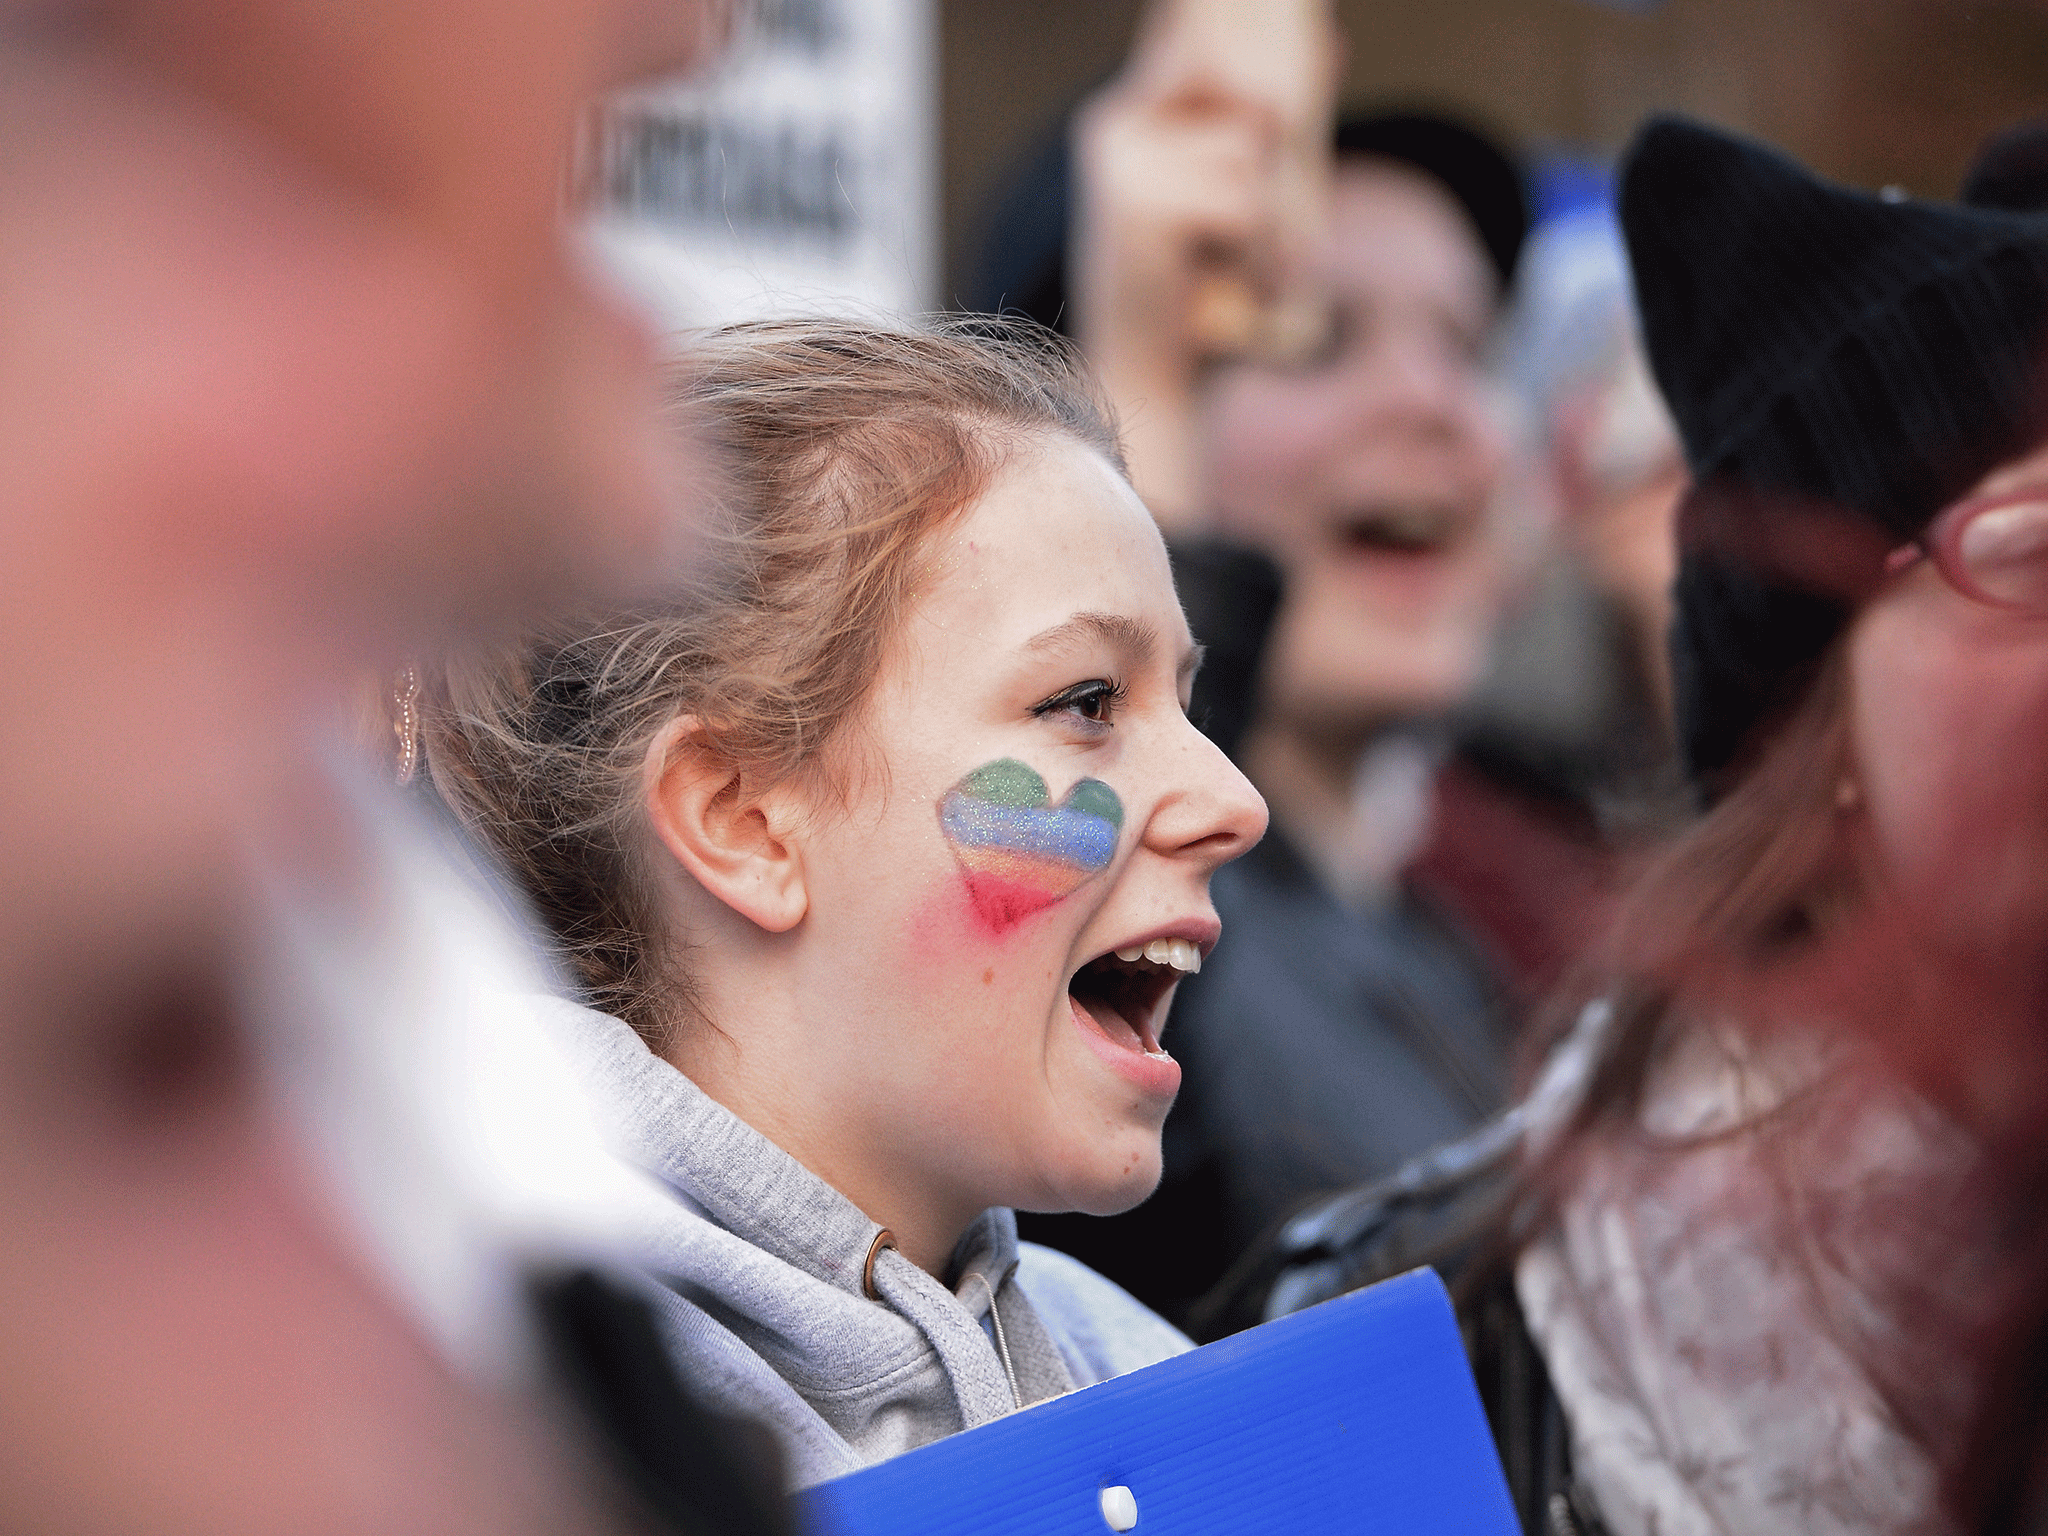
(1840,366)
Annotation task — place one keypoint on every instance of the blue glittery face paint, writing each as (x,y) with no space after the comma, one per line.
(1018,852)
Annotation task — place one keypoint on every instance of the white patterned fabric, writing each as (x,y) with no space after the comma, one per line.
(1746,1296)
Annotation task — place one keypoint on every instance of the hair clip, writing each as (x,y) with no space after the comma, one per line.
(405,724)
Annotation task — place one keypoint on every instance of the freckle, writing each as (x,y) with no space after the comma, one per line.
(988,976)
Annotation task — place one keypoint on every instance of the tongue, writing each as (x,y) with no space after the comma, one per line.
(1118,1028)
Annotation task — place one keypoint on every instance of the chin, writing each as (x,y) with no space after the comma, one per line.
(1111,1189)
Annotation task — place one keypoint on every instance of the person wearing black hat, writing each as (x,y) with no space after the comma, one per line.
(1861,660)
(1346,505)
(1776,1232)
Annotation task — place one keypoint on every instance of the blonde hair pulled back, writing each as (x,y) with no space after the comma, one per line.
(841,450)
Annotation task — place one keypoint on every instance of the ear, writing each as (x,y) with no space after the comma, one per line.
(738,847)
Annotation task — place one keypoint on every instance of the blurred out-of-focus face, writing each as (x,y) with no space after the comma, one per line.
(1371,473)
(423,147)
(189,1347)
(297,374)
(1622,472)
(1037,803)
(1950,742)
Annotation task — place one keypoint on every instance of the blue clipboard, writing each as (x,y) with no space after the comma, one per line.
(1356,1415)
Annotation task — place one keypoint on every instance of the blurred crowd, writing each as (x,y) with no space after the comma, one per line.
(499,1039)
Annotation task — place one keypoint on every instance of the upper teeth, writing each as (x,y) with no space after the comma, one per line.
(1178,953)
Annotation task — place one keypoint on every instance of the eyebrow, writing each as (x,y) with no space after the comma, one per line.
(1134,640)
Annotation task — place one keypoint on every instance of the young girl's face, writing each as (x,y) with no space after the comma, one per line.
(1030,803)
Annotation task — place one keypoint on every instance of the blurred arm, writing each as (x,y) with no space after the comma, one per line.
(1202,196)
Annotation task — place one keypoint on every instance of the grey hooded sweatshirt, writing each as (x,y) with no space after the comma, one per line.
(761,1298)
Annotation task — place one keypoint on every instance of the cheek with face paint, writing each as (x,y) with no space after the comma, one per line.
(1018,852)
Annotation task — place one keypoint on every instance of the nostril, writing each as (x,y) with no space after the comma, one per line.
(1218,817)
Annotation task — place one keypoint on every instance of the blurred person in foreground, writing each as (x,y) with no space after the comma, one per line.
(1775,1236)
(298,376)
(1360,487)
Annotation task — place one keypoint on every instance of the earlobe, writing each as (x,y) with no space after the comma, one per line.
(736,845)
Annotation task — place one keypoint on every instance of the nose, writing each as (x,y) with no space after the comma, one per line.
(1413,384)
(1213,814)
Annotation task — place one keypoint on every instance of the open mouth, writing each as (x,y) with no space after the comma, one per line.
(1401,528)
(1124,992)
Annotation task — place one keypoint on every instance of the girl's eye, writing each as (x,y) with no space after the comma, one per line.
(1094,701)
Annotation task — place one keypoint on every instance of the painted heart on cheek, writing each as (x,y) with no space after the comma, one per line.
(1018,852)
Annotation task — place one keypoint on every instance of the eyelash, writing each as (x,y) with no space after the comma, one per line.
(1102,692)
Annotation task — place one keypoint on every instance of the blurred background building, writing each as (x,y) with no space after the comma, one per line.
(851,150)
(1876,92)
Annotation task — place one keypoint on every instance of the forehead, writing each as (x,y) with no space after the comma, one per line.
(1057,531)
(1395,229)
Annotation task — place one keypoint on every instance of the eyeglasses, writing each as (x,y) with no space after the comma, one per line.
(1993,549)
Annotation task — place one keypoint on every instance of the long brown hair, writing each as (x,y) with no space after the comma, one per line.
(1748,886)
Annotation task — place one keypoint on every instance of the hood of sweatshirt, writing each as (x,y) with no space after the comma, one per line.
(762,1266)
